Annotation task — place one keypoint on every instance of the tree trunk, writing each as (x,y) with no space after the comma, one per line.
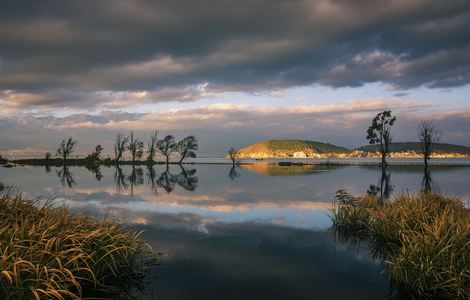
(384,162)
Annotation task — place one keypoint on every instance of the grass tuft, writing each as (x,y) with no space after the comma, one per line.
(48,253)
(424,238)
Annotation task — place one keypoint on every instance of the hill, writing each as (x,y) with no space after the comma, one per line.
(291,148)
(439,148)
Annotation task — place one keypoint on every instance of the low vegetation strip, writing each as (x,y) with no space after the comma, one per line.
(424,238)
(48,253)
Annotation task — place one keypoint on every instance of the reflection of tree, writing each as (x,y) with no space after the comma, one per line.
(120,179)
(48,169)
(233,173)
(185,179)
(383,188)
(66,177)
(136,178)
(95,169)
(427,185)
(151,177)
(165,181)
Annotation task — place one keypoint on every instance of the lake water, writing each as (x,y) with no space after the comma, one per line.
(255,232)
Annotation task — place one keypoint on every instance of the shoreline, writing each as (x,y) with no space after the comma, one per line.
(282,162)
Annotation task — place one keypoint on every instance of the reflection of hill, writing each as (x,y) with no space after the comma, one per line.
(292,170)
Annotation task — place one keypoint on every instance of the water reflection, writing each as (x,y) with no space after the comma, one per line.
(383,188)
(65,176)
(239,235)
(167,180)
(95,170)
(427,184)
(232,174)
(136,178)
(120,180)
(151,178)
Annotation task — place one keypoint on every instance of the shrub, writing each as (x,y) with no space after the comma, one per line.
(424,238)
(48,253)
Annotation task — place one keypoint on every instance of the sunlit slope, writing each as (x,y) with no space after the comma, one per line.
(290,148)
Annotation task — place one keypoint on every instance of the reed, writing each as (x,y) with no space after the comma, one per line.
(48,253)
(424,239)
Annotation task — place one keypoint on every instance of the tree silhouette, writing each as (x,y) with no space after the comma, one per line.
(187,147)
(120,179)
(152,146)
(95,155)
(66,148)
(95,169)
(65,176)
(429,135)
(151,177)
(120,145)
(136,178)
(232,174)
(186,179)
(379,132)
(232,153)
(166,146)
(135,147)
(166,181)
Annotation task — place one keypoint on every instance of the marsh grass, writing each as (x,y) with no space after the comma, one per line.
(48,253)
(424,239)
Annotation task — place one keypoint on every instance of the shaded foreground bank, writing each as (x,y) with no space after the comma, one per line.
(424,239)
(49,253)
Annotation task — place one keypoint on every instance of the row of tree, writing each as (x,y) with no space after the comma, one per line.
(167,147)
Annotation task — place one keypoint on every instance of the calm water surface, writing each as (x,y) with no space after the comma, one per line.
(254,232)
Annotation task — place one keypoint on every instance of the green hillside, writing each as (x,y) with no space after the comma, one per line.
(300,145)
(415,146)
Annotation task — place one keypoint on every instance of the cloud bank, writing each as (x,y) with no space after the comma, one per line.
(115,54)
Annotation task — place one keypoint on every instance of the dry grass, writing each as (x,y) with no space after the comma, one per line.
(425,239)
(48,253)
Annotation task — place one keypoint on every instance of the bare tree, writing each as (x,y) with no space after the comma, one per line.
(135,147)
(120,144)
(187,147)
(232,154)
(429,135)
(47,156)
(379,132)
(66,148)
(152,146)
(166,146)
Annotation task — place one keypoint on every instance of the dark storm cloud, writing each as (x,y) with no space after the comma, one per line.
(66,52)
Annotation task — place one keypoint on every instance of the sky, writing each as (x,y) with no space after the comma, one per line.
(230,72)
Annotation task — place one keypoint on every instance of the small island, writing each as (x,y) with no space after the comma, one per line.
(314,149)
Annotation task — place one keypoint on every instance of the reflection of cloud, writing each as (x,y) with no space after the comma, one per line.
(208,202)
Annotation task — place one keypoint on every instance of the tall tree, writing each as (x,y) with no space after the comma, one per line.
(135,147)
(120,145)
(379,132)
(232,154)
(152,146)
(167,146)
(187,147)
(429,135)
(66,148)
